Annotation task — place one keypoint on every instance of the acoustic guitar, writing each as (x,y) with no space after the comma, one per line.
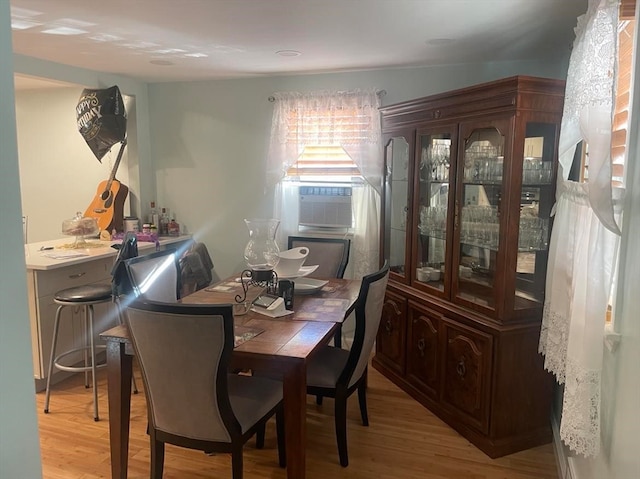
(108,205)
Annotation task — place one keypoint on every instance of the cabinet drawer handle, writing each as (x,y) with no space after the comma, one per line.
(77,275)
(461,369)
(387,327)
(422,346)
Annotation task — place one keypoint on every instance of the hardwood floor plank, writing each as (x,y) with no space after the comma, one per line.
(404,441)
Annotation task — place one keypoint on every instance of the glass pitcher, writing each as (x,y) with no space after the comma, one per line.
(261,252)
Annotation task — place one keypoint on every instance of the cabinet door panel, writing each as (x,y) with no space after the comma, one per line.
(536,201)
(390,343)
(423,366)
(435,174)
(480,214)
(397,208)
(467,374)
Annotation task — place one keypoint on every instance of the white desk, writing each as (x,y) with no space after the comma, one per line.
(46,276)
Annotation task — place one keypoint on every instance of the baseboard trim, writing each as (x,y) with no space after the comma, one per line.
(562,460)
(565,462)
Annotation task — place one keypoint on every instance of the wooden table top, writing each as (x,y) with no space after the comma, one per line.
(314,320)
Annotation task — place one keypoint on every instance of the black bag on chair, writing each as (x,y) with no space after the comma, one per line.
(196,268)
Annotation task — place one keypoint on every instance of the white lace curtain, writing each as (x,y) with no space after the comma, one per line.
(584,241)
(348,119)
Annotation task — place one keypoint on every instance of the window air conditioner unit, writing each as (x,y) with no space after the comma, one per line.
(325,206)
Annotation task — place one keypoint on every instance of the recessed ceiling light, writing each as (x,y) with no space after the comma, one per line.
(23,12)
(288,53)
(64,31)
(19,24)
(163,63)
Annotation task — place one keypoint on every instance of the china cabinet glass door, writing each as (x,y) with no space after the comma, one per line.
(435,172)
(398,172)
(536,201)
(478,213)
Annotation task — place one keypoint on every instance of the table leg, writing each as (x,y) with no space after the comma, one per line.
(119,370)
(295,414)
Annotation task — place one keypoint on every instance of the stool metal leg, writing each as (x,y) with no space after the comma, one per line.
(89,313)
(54,342)
(85,352)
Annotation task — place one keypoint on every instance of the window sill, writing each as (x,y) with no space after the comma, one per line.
(611,338)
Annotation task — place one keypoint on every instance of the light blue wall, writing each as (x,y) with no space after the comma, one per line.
(139,161)
(210,140)
(19,445)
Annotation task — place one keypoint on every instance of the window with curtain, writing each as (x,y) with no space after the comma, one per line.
(583,252)
(626,29)
(329,137)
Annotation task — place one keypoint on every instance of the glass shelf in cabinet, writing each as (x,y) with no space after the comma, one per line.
(479,244)
(482,182)
(537,249)
(536,183)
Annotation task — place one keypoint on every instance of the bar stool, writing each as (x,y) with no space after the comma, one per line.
(85,296)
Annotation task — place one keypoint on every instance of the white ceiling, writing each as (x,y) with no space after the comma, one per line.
(213,39)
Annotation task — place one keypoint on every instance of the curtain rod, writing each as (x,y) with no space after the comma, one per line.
(380,93)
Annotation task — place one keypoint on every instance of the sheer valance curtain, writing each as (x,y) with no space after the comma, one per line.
(584,242)
(330,118)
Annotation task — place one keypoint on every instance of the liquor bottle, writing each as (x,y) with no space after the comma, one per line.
(174,228)
(153,215)
(164,222)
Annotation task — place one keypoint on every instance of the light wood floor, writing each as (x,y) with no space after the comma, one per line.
(404,441)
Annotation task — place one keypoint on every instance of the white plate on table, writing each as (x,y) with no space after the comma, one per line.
(303,271)
(308,285)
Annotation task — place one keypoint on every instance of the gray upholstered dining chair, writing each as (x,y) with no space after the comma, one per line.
(192,401)
(330,254)
(155,276)
(337,373)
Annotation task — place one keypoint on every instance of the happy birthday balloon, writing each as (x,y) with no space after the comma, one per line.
(101,119)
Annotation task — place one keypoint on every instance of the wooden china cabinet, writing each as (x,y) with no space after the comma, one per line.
(469,187)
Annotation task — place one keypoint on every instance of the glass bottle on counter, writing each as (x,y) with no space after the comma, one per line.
(173,228)
(153,215)
(164,222)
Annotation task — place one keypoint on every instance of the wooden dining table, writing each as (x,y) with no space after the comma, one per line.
(282,347)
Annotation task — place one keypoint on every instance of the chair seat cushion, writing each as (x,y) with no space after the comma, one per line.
(325,367)
(252,397)
(88,292)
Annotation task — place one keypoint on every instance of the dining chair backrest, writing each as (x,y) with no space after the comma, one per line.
(330,254)
(368,311)
(155,276)
(184,353)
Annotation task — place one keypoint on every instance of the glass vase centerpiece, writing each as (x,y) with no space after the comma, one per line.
(261,255)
